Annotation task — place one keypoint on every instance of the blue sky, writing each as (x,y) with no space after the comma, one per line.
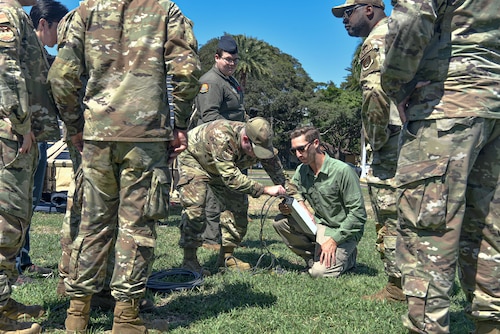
(306,30)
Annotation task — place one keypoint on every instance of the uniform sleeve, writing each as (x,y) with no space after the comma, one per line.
(13,91)
(355,209)
(276,172)
(65,74)
(376,104)
(411,27)
(183,65)
(223,153)
(209,100)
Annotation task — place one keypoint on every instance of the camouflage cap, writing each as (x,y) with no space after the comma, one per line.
(228,44)
(260,133)
(338,11)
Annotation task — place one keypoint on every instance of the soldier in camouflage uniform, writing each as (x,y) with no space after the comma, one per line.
(442,69)
(216,154)
(126,50)
(220,97)
(381,125)
(45,16)
(28,114)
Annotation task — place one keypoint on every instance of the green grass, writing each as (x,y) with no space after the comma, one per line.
(265,301)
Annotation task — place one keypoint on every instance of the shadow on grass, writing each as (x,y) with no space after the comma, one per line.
(185,310)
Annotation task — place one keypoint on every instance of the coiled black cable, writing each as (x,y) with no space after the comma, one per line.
(157,282)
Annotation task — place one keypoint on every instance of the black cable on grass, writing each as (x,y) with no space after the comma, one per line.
(274,263)
(157,280)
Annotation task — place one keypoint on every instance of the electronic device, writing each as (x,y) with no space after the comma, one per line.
(301,216)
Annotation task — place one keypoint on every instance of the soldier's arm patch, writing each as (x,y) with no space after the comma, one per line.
(204,88)
(6,34)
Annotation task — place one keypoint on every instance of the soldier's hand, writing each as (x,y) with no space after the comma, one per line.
(179,144)
(284,209)
(77,140)
(274,190)
(403,105)
(28,141)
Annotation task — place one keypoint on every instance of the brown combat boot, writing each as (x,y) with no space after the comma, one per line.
(78,315)
(106,302)
(487,327)
(61,288)
(17,311)
(228,261)
(127,320)
(392,292)
(9,326)
(191,262)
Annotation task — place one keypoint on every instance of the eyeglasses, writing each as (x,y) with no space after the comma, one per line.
(348,12)
(231,60)
(301,149)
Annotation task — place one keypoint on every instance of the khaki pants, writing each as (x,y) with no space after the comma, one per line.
(308,247)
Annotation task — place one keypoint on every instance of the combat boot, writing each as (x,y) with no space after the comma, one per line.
(191,262)
(228,261)
(17,311)
(61,288)
(78,315)
(487,327)
(9,326)
(126,318)
(392,292)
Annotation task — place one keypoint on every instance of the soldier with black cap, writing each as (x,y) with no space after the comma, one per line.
(217,153)
(381,125)
(220,97)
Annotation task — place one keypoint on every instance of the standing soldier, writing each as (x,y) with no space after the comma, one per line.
(442,70)
(126,50)
(381,125)
(27,112)
(216,154)
(220,97)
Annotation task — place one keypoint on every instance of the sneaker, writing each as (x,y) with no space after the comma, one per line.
(38,271)
(15,327)
(22,280)
(17,311)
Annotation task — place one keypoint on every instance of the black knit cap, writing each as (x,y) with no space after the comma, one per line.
(228,44)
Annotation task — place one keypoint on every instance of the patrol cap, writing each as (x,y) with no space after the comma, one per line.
(338,11)
(228,44)
(259,132)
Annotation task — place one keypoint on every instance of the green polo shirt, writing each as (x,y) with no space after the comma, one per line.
(336,198)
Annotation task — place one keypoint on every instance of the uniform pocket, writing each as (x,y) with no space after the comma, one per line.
(424,198)
(156,206)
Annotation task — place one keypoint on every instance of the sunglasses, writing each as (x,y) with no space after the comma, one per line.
(301,149)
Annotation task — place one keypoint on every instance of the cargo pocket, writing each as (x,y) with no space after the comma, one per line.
(424,198)
(416,288)
(140,253)
(156,206)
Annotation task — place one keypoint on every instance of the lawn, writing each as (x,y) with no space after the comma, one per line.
(273,298)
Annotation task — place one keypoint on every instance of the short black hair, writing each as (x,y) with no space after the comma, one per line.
(50,10)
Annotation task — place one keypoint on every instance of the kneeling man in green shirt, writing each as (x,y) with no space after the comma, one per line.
(332,190)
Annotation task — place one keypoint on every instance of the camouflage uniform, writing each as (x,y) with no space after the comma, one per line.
(126,128)
(382,125)
(220,97)
(25,105)
(214,159)
(448,165)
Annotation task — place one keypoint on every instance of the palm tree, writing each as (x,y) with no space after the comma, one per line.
(255,55)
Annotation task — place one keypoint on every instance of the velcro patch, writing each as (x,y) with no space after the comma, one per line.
(6,34)
(3,18)
(204,88)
